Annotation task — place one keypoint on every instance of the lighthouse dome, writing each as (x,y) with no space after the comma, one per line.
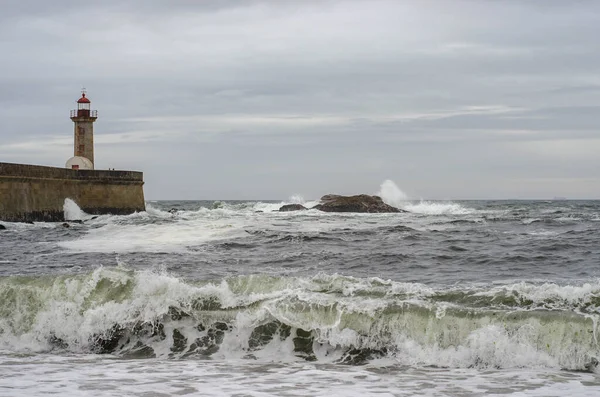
(83,99)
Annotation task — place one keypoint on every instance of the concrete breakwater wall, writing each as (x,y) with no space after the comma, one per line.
(37,193)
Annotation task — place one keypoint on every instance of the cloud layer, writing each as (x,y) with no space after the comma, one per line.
(265,99)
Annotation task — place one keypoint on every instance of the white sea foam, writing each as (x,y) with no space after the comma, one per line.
(490,346)
(542,232)
(161,231)
(174,236)
(550,294)
(72,212)
(268,207)
(437,208)
(154,211)
(106,377)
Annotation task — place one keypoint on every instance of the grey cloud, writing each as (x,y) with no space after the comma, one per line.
(264,99)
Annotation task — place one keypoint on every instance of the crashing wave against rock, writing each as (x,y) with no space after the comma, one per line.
(337,203)
(358,203)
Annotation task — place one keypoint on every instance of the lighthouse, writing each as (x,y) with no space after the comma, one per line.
(84,118)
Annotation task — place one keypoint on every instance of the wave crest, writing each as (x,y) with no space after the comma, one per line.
(331,318)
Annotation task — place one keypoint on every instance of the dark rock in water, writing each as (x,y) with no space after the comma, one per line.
(358,203)
(94,217)
(173,210)
(292,207)
(66,225)
(2,227)
(76,221)
(259,211)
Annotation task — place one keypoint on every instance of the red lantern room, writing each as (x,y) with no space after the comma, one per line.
(83,106)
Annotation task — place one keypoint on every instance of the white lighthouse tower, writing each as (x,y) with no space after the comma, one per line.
(84,118)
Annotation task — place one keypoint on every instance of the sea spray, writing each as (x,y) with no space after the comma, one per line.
(72,212)
(296,199)
(391,194)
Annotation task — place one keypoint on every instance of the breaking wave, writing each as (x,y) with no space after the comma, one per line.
(328,318)
(437,208)
(72,212)
(391,194)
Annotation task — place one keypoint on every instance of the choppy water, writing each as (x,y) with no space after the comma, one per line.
(233,298)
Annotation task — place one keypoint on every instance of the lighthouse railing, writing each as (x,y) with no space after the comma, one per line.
(78,113)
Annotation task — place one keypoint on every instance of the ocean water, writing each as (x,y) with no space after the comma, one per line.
(211,298)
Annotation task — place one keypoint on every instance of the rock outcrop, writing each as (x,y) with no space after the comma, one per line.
(292,207)
(358,203)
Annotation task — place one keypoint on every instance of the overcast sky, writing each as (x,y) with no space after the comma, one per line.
(268,99)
